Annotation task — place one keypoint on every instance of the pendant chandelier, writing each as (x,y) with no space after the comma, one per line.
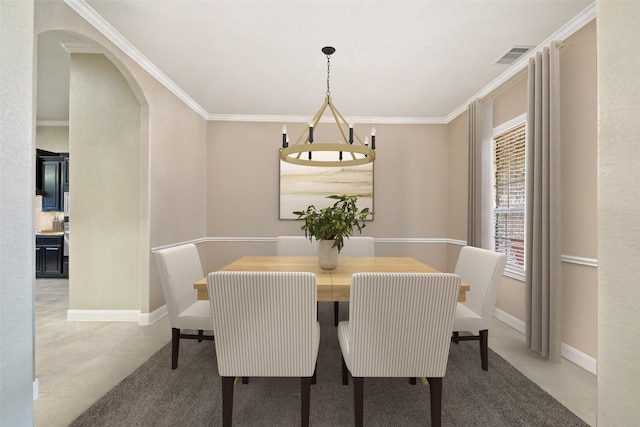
(350,151)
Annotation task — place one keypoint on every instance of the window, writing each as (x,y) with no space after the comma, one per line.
(509,194)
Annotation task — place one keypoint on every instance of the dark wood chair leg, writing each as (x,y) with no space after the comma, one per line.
(412,380)
(358,400)
(336,312)
(484,349)
(175,347)
(200,335)
(345,373)
(454,338)
(227,401)
(245,380)
(305,395)
(314,378)
(435,392)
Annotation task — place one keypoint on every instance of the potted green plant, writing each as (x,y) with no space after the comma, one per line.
(331,225)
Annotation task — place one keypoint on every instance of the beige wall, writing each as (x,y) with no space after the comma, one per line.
(578,109)
(410,195)
(53,138)
(618,212)
(104,143)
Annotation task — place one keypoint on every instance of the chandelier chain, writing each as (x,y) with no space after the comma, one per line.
(328,68)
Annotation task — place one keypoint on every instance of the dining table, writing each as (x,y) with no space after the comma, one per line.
(333,285)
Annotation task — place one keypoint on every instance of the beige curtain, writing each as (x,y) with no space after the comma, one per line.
(543,239)
(474,202)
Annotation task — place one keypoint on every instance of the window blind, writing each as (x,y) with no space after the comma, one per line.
(509,194)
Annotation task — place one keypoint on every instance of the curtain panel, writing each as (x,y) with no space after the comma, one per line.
(474,224)
(543,237)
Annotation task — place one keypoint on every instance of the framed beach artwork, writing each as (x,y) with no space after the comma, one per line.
(301,186)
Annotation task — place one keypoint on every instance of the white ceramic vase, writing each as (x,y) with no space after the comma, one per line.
(328,255)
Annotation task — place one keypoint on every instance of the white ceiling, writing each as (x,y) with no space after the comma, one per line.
(395,61)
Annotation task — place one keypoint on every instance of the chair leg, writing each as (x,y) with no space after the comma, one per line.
(412,380)
(336,311)
(305,396)
(245,380)
(175,347)
(345,373)
(227,401)
(358,400)
(314,378)
(200,335)
(435,394)
(484,349)
(455,337)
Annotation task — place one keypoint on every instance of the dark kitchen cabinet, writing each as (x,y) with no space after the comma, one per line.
(55,182)
(50,257)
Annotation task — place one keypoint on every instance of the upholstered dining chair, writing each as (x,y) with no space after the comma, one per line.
(354,246)
(399,326)
(481,269)
(296,246)
(179,268)
(266,326)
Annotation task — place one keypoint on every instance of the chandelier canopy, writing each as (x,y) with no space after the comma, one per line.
(351,150)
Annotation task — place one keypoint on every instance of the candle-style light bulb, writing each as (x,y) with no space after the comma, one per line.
(366,144)
(373,138)
(310,132)
(350,134)
(285,139)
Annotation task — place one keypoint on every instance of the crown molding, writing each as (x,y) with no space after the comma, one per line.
(579,21)
(305,119)
(73,47)
(89,14)
(60,123)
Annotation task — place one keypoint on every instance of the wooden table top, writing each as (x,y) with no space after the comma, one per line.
(333,285)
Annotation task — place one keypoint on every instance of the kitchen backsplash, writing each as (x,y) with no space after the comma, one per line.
(44,220)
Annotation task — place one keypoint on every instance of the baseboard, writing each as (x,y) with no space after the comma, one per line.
(36,389)
(572,354)
(103,315)
(150,318)
(579,358)
(509,320)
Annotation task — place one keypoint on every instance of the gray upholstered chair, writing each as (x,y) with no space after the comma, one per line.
(354,246)
(266,326)
(482,270)
(399,326)
(179,268)
(296,246)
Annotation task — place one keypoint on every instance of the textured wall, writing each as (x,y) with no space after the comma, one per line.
(104,142)
(618,212)
(17,244)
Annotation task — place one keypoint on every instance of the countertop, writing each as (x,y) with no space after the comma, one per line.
(49,233)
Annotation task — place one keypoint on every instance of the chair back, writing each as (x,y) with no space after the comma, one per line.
(482,270)
(400,323)
(358,246)
(179,268)
(296,246)
(265,323)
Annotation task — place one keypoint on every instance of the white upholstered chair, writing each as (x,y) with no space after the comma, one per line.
(266,326)
(296,246)
(354,246)
(399,326)
(179,268)
(482,270)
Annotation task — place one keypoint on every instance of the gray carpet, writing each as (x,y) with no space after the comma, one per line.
(154,395)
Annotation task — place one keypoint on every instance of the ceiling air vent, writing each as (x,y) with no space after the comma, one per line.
(513,54)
